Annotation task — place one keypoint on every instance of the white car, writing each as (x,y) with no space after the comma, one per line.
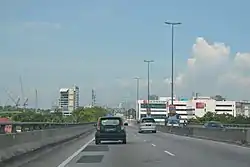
(147,124)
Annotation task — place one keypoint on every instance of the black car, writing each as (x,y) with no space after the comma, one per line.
(110,129)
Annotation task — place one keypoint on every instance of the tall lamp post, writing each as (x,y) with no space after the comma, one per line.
(148,106)
(172,24)
(137,96)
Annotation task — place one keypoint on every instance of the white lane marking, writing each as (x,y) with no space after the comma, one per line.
(145,140)
(64,163)
(153,145)
(169,153)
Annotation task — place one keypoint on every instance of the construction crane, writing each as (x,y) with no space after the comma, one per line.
(5,104)
(16,102)
(25,100)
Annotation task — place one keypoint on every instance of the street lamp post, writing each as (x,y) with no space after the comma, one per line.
(148,62)
(137,96)
(172,24)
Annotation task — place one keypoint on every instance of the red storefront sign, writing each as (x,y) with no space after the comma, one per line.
(7,128)
(200,105)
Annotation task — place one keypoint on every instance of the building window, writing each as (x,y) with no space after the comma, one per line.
(180,105)
(187,109)
(224,110)
(224,105)
(159,106)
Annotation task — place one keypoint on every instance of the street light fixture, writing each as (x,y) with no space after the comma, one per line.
(148,62)
(172,24)
(137,96)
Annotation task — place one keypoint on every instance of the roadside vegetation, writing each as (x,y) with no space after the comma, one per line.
(223,118)
(80,115)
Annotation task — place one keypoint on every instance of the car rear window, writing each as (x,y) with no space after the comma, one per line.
(149,120)
(110,121)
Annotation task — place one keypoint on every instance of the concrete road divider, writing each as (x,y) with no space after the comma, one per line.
(238,136)
(15,144)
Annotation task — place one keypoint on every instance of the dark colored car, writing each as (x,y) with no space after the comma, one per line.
(213,124)
(110,129)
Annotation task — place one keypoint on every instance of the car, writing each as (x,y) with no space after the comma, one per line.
(174,123)
(147,124)
(213,125)
(110,129)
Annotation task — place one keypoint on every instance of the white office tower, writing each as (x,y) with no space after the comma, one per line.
(69,99)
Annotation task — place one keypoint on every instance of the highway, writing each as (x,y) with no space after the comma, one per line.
(143,150)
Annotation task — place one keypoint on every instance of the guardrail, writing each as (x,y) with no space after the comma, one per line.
(37,135)
(238,136)
(225,125)
(14,127)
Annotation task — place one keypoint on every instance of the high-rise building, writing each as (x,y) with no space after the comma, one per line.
(69,99)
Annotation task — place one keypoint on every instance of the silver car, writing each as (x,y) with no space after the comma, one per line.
(147,124)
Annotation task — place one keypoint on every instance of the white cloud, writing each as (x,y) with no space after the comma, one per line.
(211,69)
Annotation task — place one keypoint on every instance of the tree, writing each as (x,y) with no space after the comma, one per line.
(223,118)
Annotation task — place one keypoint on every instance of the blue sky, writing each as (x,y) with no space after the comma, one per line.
(102,44)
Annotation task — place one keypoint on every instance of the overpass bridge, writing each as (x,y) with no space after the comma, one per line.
(72,145)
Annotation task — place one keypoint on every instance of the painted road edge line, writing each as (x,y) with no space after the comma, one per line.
(169,153)
(70,158)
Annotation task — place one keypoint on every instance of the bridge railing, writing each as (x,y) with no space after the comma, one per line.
(225,125)
(231,135)
(36,135)
(15,127)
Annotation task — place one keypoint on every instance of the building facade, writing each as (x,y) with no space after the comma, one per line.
(158,109)
(203,105)
(69,99)
(243,108)
(191,108)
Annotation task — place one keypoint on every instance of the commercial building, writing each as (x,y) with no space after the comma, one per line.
(69,99)
(184,108)
(207,104)
(191,108)
(158,109)
(243,108)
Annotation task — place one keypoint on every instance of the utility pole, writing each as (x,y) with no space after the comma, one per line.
(137,96)
(36,100)
(148,105)
(172,24)
(93,98)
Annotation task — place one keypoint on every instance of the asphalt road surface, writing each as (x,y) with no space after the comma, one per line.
(145,150)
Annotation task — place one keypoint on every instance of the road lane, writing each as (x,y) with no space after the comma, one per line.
(147,150)
(136,152)
(198,152)
(54,156)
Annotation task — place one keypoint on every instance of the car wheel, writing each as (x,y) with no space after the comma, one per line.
(154,131)
(124,141)
(97,141)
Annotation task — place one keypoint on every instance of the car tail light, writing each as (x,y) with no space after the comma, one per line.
(98,126)
(122,126)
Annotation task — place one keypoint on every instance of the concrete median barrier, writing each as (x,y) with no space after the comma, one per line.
(15,144)
(237,136)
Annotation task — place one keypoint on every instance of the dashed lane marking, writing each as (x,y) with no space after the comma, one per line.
(64,163)
(169,153)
